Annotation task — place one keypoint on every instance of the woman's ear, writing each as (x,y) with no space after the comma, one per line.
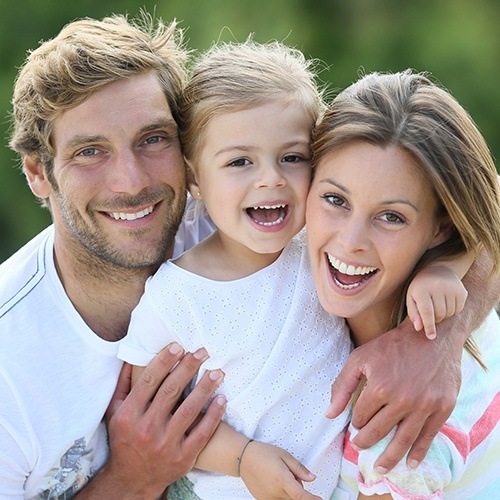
(192,183)
(36,175)
(446,228)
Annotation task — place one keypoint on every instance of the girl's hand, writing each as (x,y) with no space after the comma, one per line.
(434,294)
(270,472)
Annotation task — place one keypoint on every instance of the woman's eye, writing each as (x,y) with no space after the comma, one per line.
(392,218)
(333,199)
(239,162)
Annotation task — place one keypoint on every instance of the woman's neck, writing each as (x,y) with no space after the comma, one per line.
(369,325)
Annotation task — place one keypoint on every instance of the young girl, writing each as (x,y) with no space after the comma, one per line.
(245,293)
(433,195)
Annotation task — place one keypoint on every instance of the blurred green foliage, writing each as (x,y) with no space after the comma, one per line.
(458,41)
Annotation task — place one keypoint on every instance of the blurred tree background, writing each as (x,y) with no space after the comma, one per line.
(458,41)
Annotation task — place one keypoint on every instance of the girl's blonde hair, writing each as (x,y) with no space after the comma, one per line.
(235,76)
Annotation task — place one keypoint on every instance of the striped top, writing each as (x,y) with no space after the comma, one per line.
(464,459)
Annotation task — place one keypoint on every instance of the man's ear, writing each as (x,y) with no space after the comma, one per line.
(192,183)
(446,228)
(36,175)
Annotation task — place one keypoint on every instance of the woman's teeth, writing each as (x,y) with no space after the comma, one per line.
(350,270)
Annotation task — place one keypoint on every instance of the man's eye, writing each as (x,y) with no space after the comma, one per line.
(88,152)
(155,139)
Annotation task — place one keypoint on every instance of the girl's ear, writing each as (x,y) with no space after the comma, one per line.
(446,228)
(36,175)
(192,183)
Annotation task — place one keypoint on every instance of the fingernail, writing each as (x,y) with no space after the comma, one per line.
(431,335)
(220,400)
(412,464)
(381,470)
(201,354)
(216,375)
(174,348)
(357,448)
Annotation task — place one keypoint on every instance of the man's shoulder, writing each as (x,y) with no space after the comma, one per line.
(24,269)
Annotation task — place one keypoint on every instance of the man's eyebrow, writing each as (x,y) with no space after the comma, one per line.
(78,140)
(168,124)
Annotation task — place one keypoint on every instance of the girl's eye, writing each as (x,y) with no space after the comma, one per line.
(334,200)
(239,162)
(392,218)
(291,158)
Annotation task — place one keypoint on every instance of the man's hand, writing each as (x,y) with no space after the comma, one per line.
(151,445)
(411,381)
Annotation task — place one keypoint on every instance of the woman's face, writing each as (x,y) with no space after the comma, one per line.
(370,216)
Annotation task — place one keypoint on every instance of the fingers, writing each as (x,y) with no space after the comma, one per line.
(154,375)
(191,407)
(430,312)
(121,391)
(344,386)
(423,442)
(299,470)
(413,313)
(172,387)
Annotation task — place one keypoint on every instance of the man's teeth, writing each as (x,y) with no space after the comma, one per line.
(350,270)
(134,216)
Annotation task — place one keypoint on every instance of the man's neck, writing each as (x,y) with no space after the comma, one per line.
(104,295)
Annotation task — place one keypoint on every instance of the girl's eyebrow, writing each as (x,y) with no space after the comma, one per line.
(244,147)
(394,201)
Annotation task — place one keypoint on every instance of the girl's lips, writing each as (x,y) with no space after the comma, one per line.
(268,215)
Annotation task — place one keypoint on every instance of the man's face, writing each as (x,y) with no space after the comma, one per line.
(118,188)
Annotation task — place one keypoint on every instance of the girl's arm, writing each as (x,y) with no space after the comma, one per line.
(267,471)
(437,292)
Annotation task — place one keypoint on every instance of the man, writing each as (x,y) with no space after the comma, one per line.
(95,121)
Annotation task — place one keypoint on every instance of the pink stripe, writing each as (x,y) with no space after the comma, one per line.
(402,493)
(481,429)
(485,425)
(349,452)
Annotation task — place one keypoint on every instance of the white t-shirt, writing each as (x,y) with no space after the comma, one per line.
(56,375)
(56,380)
(279,350)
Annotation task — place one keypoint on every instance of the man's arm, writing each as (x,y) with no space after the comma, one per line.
(412,382)
(152,444)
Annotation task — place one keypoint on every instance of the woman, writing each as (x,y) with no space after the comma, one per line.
(432,194)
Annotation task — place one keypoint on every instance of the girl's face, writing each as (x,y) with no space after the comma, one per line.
(253,173)
(370,216)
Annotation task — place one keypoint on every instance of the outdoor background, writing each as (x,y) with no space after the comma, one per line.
(458,41)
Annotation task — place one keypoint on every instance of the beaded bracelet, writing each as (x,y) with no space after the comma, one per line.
(238,460)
